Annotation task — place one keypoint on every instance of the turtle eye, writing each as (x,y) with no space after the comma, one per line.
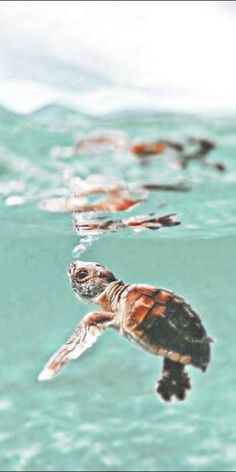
(82,274)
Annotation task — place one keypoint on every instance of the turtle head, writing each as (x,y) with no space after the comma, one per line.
(89,279)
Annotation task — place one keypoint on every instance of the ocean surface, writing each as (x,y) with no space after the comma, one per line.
(101,413)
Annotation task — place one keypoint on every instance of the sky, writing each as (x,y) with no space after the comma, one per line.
(101,55)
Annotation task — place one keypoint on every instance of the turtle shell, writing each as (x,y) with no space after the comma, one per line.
(164,324)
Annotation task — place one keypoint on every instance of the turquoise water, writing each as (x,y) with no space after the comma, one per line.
(101,413)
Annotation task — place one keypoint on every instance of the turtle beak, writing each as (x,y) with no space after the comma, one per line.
(71,269)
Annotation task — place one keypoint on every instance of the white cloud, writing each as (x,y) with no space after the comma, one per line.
(177,47)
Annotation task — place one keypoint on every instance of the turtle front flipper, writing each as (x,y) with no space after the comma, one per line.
(174,381)
(85,335)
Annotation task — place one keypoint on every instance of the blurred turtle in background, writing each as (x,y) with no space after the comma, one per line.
(203,148)
(137,223)
(119,195)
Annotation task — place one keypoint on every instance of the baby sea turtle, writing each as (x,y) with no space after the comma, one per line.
(156,319)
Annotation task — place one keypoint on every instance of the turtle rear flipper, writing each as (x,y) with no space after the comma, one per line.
(174,381)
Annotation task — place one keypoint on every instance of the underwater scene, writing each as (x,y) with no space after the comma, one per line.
(151,196)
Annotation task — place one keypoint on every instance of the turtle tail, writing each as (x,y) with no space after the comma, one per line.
(201,355)
(174,381)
